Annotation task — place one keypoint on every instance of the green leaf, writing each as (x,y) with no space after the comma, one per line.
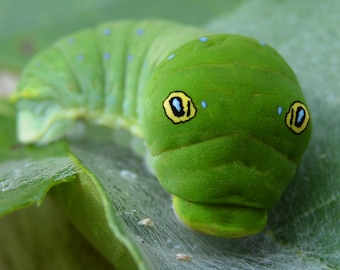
(24,182)
(42,238)
(86,204)
(27,173)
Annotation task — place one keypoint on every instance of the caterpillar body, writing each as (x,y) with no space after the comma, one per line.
(223,115)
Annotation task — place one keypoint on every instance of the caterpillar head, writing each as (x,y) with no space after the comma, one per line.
(227,124)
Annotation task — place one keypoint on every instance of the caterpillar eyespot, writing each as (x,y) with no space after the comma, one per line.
(179,107)
(297,117)
(223,115)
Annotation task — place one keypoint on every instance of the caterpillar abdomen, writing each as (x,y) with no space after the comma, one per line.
(223,116)
(99,74)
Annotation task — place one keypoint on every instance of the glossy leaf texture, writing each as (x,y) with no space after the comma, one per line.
(27,173)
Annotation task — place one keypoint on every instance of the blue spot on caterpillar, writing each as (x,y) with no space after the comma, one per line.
(106,56)
(171,56)
(203,39)
(80,57)
(204,104)
(140,32)
(225,164)
(106,32)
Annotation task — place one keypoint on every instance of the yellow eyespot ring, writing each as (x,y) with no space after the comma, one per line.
(297,117)
(179,107)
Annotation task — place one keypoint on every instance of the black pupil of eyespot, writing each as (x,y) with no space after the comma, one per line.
(188,112)
(177,106)
(300,116)
(291,114)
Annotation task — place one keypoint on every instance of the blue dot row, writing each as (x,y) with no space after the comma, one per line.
(202,39)
(107,55)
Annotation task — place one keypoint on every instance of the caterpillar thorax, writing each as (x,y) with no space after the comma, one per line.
(223,116)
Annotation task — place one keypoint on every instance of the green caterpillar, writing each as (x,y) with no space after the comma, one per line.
(223,116)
